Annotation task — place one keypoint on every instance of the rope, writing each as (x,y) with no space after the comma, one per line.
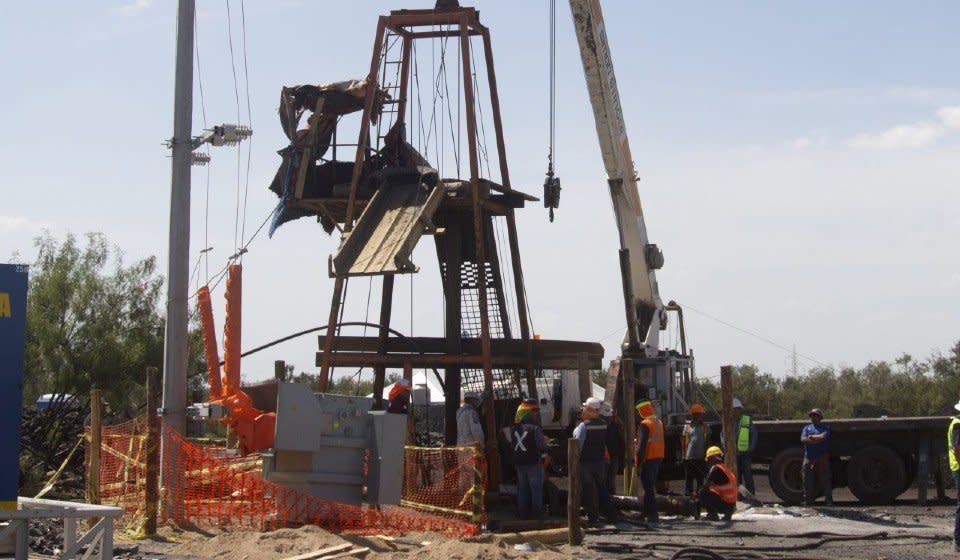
(53,479)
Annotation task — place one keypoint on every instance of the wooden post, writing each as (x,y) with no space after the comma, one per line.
(573,495)
(583,377)
(726,399)
(93,468)
(938,477)
(152,444)
(477,484)
(280,371)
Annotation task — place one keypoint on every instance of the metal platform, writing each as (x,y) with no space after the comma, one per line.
(396,217)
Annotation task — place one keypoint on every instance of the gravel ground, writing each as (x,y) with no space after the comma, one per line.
(903,531)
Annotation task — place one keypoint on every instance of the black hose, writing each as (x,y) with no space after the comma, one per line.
(298,334)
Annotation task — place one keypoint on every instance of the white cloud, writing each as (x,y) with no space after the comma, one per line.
(950,116)
(806,142)
(907,136)
(916,135)
(135,8)
(18,224)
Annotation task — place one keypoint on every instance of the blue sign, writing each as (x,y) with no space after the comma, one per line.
(13,325)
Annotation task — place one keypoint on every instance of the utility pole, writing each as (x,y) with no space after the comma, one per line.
(178,254)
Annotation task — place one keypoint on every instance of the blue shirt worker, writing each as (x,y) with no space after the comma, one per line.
(591,434)
(529,450)
(816,459)
(953,444)
(746,436)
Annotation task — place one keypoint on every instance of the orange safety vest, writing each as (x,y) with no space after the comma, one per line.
(728,491)
(654,449)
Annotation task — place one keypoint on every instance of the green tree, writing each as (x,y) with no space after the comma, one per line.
(91,321)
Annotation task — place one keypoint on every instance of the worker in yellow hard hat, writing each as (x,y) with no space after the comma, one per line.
(719,494)
(694,445)
(650,453)
(529,452)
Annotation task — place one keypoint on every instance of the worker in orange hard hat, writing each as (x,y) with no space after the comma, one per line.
(650,453)
(399,397)
(694,445)
(720,493)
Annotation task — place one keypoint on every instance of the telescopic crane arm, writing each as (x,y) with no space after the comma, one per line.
(639,259)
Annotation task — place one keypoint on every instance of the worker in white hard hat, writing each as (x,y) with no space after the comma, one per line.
(745,442)
(469,435)
(616,445)
(953,453)
(591,434)
(469,429)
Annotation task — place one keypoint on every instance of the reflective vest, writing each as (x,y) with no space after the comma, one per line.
(523,440)
(595,444)
(654,449)
(727,492)
(954,464)
(743,434)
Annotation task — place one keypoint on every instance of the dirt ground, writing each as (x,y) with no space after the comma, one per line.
(903,531)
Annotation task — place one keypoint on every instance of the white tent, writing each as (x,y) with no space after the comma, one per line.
(426,389)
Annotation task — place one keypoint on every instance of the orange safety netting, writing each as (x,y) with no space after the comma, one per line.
(123,460)
(210,486)
(448,480)
(213,491)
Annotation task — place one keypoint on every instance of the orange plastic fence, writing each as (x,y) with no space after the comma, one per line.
(215,491)
(210,487)
(447,480)
(123,459)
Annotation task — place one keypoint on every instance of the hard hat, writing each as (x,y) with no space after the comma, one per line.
(405,383)
(696,408)
(471,395)
(713,451)
(816,411)
(957,406)
(526,407)
(606,410)
(737,403)
(645,409)
(593,402)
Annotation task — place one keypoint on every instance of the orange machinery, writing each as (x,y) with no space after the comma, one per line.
(254,428)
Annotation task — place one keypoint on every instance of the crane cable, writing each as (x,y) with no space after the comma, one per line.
(551,185)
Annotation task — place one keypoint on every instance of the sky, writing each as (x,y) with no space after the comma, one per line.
(799,164)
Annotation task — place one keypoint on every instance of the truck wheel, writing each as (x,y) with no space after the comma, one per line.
(876,475)
(785,477)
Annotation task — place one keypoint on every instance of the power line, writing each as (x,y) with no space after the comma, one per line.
(236,94)
(246,82)
(753,334)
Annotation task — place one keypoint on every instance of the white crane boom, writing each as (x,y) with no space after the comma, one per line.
(638,258)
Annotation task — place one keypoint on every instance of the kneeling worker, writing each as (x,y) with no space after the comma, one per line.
(719,493)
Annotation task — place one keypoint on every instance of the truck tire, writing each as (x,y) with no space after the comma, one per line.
(876,475)
(785,477)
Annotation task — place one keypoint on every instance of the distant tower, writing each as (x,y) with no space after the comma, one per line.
(794,360)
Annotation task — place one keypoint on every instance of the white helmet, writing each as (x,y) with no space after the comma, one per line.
(593,402)
(405,383)
(471,395)
(737,403)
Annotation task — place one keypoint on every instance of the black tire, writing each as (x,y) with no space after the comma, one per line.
(876,475)
(785,479)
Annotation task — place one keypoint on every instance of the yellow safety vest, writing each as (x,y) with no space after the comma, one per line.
(954,465)
(743,434)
